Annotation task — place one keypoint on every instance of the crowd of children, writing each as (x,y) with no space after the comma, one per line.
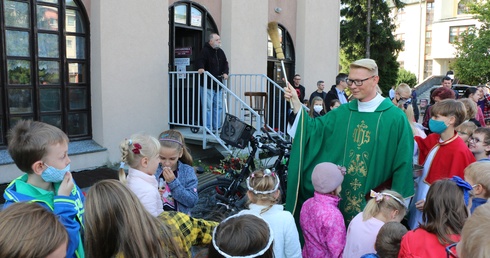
(147,213)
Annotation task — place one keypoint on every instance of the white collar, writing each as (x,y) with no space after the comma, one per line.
(258,208)
(372,105)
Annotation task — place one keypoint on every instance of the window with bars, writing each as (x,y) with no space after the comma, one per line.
(45,65)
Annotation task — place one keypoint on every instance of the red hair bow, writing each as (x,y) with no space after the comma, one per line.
(137,148)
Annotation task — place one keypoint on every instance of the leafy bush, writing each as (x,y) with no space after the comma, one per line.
(407,77)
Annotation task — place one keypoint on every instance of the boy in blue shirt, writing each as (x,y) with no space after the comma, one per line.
(41,151)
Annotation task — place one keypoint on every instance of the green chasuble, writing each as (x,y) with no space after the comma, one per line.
(373,146)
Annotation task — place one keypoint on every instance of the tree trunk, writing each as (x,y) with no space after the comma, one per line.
(368,30)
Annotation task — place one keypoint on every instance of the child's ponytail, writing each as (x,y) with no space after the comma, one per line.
(385,201)
(263,185)
(136,148)
(124,147)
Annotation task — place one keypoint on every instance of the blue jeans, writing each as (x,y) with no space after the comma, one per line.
(214,107)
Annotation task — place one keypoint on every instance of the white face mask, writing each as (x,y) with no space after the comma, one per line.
(318,108)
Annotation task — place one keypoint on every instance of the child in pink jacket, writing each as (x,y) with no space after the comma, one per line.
(320,218)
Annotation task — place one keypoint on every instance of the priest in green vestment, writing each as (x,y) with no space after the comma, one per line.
(369,136)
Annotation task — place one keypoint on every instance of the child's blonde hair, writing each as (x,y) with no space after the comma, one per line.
(384,202)
(118,225)
(262,186)
(479,172)
(134,149)
(175,140)
(471,108)
(30,230)
(403,89)
(407,108)
(467,127)
(474,236)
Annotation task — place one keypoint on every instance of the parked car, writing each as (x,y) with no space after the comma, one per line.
(461,88)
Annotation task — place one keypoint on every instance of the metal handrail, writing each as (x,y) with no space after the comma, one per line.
(185,89)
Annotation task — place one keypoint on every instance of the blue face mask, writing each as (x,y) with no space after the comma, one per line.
(437,126)
(54,175)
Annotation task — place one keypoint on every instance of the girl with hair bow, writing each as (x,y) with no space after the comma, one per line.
(362,231)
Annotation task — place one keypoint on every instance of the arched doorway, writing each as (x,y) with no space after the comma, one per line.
(274,68)
(190,25)
(274,71)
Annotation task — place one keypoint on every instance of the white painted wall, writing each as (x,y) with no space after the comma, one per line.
(317,42)
(244,35)
(414,31)
(445,9)
(129,70)
(440,41)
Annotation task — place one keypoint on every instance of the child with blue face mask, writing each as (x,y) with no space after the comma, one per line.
(41,151)
(443,153)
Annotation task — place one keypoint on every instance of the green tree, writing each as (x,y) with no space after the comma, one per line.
(407,77)
(344,63)
(354,37)
(472,65)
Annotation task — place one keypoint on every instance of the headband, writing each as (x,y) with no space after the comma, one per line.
(379,197)
(171,140)
(463,185)
(267,172)
(261,252)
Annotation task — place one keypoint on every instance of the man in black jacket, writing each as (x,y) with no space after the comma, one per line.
(213,59)
(319,92)
(337,91)
(300,89)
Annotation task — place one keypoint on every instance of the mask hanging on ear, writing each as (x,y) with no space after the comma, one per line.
(54,175)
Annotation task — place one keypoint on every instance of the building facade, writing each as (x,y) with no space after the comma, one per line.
(99,69)
(428,28)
